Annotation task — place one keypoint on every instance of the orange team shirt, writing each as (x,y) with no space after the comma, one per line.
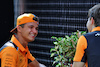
(11,57)
(81,46)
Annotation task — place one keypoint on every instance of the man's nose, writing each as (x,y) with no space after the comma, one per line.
(34,30)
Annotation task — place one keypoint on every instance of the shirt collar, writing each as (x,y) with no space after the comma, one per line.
(96,29)
(18,44)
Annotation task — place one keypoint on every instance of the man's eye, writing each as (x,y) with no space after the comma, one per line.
(30,27)
(37,28)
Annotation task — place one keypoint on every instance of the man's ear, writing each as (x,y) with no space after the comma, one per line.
(19,28)
(92,20)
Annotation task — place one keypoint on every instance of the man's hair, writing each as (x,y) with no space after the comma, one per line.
(22,25)
(95,13)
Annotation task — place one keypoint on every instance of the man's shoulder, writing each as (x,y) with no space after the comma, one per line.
(7,45)
(8,50)
(90,33)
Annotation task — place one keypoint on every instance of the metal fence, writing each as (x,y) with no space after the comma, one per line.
(57,18)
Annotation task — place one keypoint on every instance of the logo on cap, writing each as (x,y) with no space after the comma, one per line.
(19,21)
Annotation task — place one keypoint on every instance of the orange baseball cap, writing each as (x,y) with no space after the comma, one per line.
(24,18)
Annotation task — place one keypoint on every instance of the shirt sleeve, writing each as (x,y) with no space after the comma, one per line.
(9,57)
(30,57)
(80,55)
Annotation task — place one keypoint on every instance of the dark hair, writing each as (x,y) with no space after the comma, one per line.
(22,25)
(95,13)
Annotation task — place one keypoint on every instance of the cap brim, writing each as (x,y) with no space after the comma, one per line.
(14,30)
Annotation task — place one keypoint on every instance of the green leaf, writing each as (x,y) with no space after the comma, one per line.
(57,59)
(57,52)
(70,60)
(55,62)
(53,37)
(58,65)
(56,47)
(60,38)
(60,50)
(56,43)
(52,54)
(52,49)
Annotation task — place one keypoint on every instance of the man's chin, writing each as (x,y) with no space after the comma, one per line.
(31,40)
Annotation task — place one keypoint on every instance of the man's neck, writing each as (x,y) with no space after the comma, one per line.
(21,40)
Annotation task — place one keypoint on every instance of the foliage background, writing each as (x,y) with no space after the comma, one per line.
(64,49)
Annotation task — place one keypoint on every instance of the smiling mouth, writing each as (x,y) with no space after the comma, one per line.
(32,35)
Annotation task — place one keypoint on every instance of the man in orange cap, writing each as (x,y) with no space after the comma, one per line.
(15,52)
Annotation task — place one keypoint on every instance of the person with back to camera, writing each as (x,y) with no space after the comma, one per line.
(15,52)
(88,46)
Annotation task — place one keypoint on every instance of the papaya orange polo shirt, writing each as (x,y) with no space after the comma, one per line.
(12,57)
(83,47)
